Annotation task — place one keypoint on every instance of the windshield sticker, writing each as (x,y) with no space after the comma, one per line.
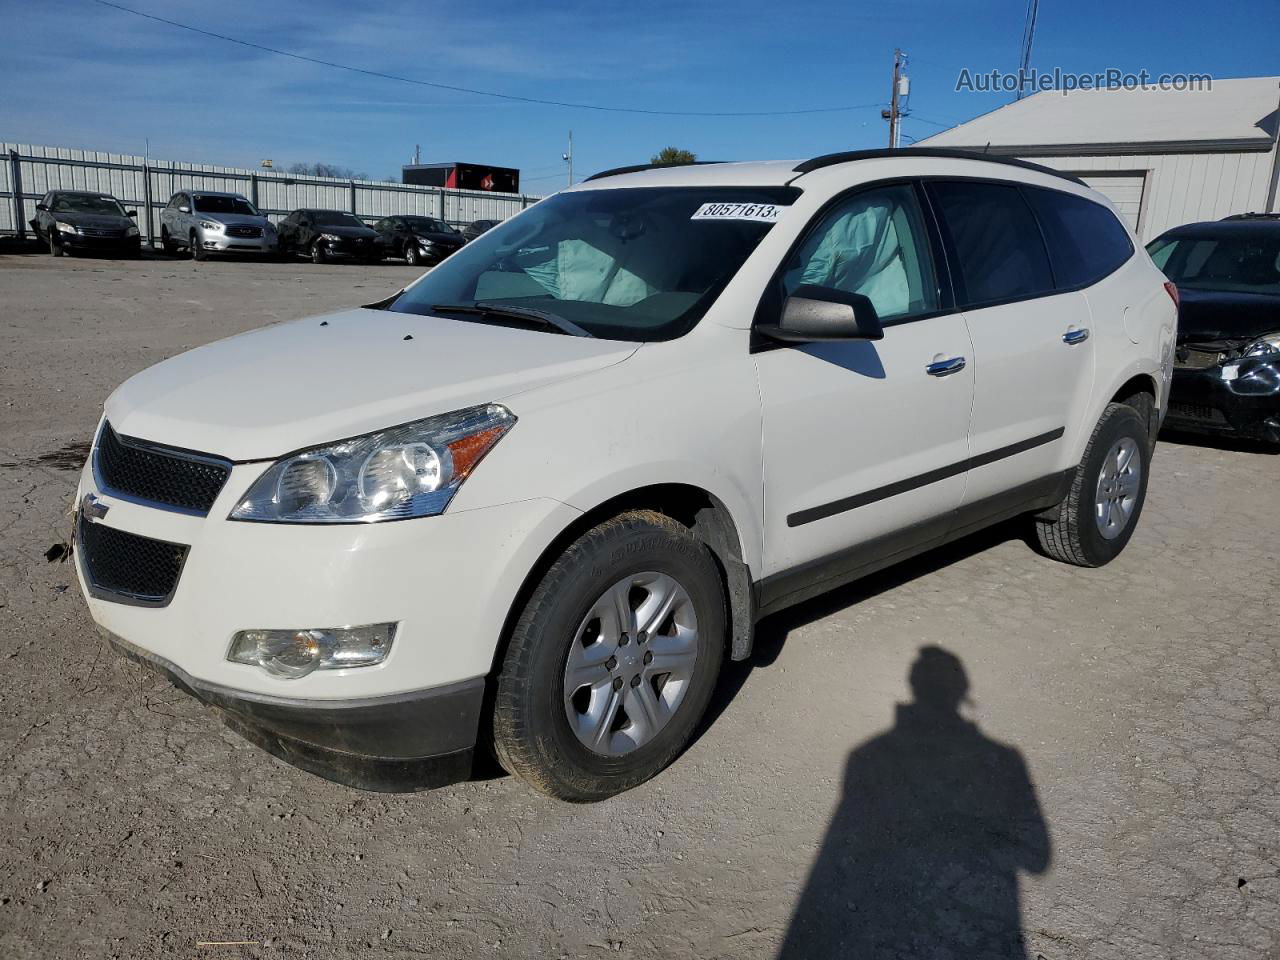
(759,212)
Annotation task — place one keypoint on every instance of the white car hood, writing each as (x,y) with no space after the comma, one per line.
(269,392)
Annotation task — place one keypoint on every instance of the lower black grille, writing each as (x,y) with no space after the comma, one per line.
(1195,411)
(163,475)
(127,567)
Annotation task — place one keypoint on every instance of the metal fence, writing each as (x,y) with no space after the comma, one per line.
(28,172)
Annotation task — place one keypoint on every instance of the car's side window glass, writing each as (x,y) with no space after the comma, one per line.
(995,242)
(873,243)
(1086,241)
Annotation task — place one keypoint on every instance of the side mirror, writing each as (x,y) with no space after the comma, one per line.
(184,209)
(131,213)
(42,206)
(822,313)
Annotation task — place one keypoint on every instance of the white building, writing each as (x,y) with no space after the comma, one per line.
(1164,157)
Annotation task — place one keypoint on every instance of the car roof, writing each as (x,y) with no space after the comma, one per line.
(82,193)
(1257,227)
(213,193)
(922,161)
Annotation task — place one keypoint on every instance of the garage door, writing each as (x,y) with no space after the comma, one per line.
(1124,190)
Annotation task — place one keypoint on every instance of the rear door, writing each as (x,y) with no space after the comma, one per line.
(1032,340)
(864,447)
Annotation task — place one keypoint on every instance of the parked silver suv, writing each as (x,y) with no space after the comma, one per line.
(206,221)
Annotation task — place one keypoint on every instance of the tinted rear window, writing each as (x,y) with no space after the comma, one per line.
(1086,241)
(995,242)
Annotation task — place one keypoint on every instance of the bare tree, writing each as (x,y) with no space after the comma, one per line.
(326,170)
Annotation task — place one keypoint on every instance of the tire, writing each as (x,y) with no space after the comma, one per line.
(55,248)
(318,252)
(636,558)
(412,256)
(197,251)
(166,243)
(1076,533)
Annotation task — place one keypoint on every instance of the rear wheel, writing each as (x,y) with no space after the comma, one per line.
(1097,518)
(613,660)
(166,243)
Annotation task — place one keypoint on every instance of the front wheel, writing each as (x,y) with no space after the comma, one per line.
(197,249)
(1097,518)
(319,254)
(613,660)
(55,248)
(412,256)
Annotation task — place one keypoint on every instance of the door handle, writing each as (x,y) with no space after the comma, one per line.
(1074,336)
(944,368)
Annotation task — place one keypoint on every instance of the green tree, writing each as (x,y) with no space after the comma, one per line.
(672,157)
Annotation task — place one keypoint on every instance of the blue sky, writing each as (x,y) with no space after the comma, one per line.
(75,73)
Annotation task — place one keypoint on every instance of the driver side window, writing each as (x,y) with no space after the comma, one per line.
(873,243)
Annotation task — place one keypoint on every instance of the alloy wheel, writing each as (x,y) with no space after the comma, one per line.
(1119,482)
(630,663)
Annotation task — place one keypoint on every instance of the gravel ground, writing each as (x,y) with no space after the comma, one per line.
(1108,791)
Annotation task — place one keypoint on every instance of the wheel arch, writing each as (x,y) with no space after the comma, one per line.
(1142,393)
(707,518)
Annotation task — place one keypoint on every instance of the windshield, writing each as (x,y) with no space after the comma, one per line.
(1244,263)
(639,263)
(80,203)
(336,218)
(428,225)
(207,203)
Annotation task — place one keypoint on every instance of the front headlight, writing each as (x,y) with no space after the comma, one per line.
(1265,345)
(408,471)
(131,232)
(66,227)
(269,228)
(213,225)
(331,237)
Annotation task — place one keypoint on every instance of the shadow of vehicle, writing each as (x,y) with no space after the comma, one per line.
(922,856)
(772,631)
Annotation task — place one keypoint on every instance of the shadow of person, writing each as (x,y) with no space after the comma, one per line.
(922,856)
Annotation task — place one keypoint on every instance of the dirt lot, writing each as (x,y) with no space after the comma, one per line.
(1142,701)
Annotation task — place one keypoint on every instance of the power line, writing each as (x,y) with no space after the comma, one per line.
(470,90)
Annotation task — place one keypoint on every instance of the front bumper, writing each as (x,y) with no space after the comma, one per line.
(80,242)
(346,250)
(448,582)
(404,742)
(221,242)
(1239,398)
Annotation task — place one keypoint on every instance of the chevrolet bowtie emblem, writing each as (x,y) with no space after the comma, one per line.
(92,507)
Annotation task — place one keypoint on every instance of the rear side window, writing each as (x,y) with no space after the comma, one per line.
(1086,241)
(994,241)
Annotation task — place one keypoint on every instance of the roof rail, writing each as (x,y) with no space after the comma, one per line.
(636,168)
(830,159)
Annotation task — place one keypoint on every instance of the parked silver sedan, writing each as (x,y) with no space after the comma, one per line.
(206,221)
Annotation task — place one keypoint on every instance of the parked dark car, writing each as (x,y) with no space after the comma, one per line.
(329,235)
(77,220)
(1226,376)
(420,240)
(477,227)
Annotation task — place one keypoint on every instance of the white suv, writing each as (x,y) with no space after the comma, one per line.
(535,499)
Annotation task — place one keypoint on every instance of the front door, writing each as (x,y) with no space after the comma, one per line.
(865,442)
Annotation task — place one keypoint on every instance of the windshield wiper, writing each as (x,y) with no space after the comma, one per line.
(484,308)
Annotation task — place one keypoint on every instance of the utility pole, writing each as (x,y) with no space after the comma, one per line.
(568,158)
(894,113)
